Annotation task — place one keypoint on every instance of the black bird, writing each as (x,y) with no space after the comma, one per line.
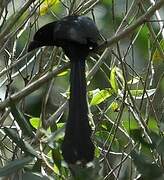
(77,35)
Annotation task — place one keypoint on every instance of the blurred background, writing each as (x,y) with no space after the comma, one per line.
(125,91)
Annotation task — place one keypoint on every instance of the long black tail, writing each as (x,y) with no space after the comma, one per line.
(77,144)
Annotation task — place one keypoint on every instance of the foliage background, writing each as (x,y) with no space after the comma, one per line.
(125,91)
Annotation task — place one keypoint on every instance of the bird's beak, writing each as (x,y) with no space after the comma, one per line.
(33,45)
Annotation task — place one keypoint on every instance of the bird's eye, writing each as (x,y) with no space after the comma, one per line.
(90,48)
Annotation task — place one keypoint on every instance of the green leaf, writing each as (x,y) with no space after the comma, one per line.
(93,92)
(158,142)
(35,122)
(60,125)
(120,76)
(101,96)
(105,137)
(62,73)
(23,145)
(21,120)
(157,56)
(56,156)
(153,125)
(134,80)
(149,170)
(129,124)
(142,39)
(113,80)
(46,5)
(107,2)
(13,135)
(30,149)
(160,146)
(14,166)
(139,93)
(97,152)
(104,125)
(86,172)
(34,176)
(37,166)
(114,106)
(56,169)
(136,134)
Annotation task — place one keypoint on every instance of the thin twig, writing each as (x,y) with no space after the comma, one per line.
(33,86)
(124,33)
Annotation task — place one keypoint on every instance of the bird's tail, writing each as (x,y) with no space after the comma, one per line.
(77,144)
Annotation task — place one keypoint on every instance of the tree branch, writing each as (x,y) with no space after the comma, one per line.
(12,22)
(124,33)
(32,87)
(35,85)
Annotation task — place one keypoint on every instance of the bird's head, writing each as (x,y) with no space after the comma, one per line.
(79,30)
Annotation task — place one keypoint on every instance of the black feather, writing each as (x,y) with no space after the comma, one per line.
(77,144)
(77,35)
